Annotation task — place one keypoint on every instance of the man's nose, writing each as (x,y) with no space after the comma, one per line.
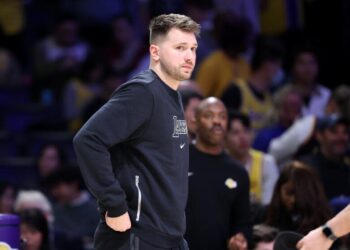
(216,120)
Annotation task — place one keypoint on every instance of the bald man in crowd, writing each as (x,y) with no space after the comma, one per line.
(218,205)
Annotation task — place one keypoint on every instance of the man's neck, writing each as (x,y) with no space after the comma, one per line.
(208,149)
(172,83)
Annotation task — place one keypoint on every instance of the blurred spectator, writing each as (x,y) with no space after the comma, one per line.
(111,80)
(33,199)
(202,12)
(92,12)
(11,17)
(12,25)
(225,64)
(34,230)
(190,101)
(252,96)
(290,208)
(300,138)
(81,90)
(8,194)
(304,72)
(76,214)
(248,9)
(280,16)
(51,157)
(287,109)
(340,102)
(124,49)
(218,186)
(331,160)
(296,140)
(59,55)
(263,237)
(9,69)
(262,168)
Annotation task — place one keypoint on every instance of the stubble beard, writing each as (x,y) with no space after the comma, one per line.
(175,72)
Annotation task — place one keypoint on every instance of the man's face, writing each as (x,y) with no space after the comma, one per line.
(271,67)
(177,54)
(306,68)
(212,123)
(239,138)
(7,200)
(334,141)
(49,161)
(32,236)
(64,192)
(190,114)
(290,109)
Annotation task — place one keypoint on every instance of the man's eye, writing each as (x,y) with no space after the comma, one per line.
(180,47)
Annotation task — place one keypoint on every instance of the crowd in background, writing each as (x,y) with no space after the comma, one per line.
(280,69)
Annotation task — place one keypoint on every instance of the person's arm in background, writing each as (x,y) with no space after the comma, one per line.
(118,120)
(240,217)
(285,146)
(339,224)
(270,176)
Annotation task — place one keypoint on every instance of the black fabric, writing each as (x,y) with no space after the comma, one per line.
(232,97)
(287,240)
(335,175)
(135,148)
(218,202)
(108,239)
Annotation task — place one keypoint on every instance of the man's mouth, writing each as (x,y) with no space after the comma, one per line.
(217,130)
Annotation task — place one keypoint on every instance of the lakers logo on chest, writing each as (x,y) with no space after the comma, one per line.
(180,127)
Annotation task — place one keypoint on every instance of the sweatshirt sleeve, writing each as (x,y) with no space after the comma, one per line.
(119,120)
(286,145)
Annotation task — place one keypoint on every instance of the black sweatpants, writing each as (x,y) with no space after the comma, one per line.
(107,239)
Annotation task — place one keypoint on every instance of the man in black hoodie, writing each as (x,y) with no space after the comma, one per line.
(133,152)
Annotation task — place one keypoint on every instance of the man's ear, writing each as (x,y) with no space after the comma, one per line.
(154,52)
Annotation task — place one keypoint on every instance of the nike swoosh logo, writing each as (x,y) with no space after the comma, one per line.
(182,145)
(190,173)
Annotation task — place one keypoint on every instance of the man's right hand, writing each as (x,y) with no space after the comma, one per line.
(120,224)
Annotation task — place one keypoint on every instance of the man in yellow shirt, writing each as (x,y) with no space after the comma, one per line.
(252,96)
(227,63)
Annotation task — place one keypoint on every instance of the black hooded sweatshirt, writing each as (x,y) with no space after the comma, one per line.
(133,154)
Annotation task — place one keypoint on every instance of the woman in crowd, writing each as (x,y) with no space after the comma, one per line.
(7,197)
(34,230)
(290,207)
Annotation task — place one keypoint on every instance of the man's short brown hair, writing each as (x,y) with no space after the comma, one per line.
(161,25)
